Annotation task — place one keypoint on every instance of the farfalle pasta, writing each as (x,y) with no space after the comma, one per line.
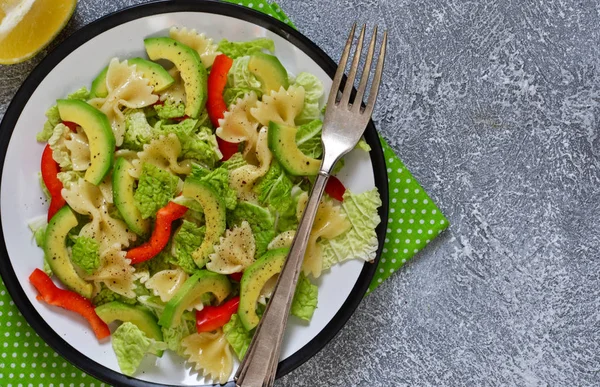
(115,272)
(166,283)
(204,46)
(127,88)
(235,252)
(105,188)
(87,199)
(70,149)
(238,125)
(79,149)
(282,240)
(242,179)
(209,354)
(281,106)
(330,222)
(176,93)
(163,153)
(183,196)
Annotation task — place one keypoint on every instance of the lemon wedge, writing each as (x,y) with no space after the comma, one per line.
(27,26)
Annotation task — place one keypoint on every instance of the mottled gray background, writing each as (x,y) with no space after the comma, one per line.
(493,105)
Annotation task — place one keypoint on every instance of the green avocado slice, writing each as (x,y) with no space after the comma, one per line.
(190,66)
(282,142)
(57,254)
(98,131)
(123,191)
(214,215)
(269,71)
(159,78)
(191,291)
(254,278)
(118,311)
(99,89)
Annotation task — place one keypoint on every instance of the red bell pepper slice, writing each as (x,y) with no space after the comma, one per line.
(335,188)
(217,80)
(70,125)
(214,317)
(69,300)
(160,235)
(215,104)
(227,148)
(236,276)
(50,170)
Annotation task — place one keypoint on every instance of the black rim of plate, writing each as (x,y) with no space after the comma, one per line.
(136,12)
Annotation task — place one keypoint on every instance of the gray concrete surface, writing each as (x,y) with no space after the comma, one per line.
(494,106)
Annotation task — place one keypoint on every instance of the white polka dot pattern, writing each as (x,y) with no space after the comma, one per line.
(412,215)
(25,357)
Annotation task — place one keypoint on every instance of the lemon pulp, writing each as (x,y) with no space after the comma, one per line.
(27,26)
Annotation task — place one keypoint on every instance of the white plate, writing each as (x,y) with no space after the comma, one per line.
(74,64)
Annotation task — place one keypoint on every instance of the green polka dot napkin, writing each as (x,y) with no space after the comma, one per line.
(414,220)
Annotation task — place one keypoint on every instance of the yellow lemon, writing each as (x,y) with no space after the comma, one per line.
(27,26)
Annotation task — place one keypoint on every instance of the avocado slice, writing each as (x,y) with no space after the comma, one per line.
(202,282)
(57,254)
(98,131)
(159,78)
(118,311)
(189,65)
(123,184)
(269,71)
(214,215)
(254,278)
(282,142)
(98,89)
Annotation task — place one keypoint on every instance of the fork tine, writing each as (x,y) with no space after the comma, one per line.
(353,68)
(337,79)
(377,78)
(364,78)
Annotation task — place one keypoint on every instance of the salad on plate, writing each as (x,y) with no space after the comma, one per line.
(175,185)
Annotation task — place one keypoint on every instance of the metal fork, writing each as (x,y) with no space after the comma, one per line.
(344,124)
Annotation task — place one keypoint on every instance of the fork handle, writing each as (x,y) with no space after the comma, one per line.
(260,363)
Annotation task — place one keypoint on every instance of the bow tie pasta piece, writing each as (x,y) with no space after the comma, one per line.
(127,154)
(205,47)
(60,153)
(127,88)
(79,148)
(281,106)
(166,283)
(210,354)
(235,252)
(70,149)
(176,93)
(267,290)
(163,153)
(115,272)
(87,199)
(330,222)
(239,125)
(242,179)
(105,188)
(282,240)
